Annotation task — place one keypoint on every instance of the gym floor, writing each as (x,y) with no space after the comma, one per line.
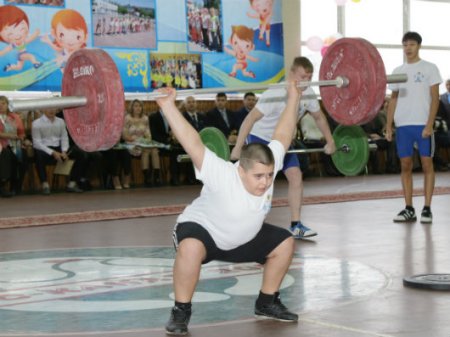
(113,278)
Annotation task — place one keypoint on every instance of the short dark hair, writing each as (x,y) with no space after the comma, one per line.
(303,62)
(249,94)
(255,153)
(412,36)
(221,94)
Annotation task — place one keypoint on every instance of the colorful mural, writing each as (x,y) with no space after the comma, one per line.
(200,43)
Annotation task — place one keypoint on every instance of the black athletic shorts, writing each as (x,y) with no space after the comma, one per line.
(256,250)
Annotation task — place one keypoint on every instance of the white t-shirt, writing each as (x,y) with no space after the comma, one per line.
(230,214)
(272,103)
(414,99)
(310,130)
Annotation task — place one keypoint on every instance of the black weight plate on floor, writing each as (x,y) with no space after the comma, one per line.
(428,281)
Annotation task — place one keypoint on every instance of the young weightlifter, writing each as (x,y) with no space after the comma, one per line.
(226,222)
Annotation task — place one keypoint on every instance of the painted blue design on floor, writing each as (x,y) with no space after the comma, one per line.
(114,289)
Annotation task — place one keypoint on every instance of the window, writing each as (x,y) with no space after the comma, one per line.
(429,19)
(316,20)
(377,21)
(442,59)
(382,23)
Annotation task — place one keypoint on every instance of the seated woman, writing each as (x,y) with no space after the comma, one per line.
(137,130)
(12,133)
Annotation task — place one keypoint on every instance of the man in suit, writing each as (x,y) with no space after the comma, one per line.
(197,120)
(441,132)
(445,100)
(249,103)
(221,117)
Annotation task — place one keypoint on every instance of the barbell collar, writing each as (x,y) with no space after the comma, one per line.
(397,78)
(47,103)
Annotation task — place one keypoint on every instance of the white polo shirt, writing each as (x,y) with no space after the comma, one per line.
(272,103)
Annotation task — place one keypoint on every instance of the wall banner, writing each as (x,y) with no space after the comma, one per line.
(180,43)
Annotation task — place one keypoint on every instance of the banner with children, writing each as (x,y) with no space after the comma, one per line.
(180,43)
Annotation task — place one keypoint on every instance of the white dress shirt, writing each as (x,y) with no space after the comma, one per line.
(224,116)
(48,133)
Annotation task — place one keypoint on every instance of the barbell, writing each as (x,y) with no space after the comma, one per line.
(350,158)
(352,83)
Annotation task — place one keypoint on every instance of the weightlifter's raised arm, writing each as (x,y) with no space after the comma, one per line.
(182,129)
(287,123)
(253,116)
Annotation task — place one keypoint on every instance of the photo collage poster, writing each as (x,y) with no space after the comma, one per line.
(185,44)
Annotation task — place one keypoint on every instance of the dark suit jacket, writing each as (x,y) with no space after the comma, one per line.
(158,129)
(240,116)
(214,118)
(444,108)
(201,122)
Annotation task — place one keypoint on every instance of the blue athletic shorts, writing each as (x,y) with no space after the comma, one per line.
(290,159)
(409,137)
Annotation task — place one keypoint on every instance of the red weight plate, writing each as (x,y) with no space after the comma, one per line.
(350,58)
(98,125)
(381,81)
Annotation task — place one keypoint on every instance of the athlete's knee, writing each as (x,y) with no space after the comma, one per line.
(191,248)
(406,164)
(427,164)
(286,248)
(294,176)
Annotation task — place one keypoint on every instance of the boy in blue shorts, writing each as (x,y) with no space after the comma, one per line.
(259,124)
(413,107)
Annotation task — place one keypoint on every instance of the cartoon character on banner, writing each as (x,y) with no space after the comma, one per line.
(241,41)
(15,31)
(263,11)
(70,33)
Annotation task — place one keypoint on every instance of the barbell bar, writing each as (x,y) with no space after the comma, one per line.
(182,158)
(352,82)
(338,82)
(74,101)
(350,158)
(344,148)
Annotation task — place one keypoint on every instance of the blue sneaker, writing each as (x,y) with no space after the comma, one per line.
(299,231)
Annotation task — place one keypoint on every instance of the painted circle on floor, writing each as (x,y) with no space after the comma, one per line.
(130,288)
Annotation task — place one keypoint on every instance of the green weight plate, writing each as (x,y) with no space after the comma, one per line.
(216,141)
(355,160)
